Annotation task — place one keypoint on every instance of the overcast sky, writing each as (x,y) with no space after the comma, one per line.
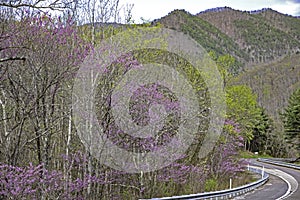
(154,9)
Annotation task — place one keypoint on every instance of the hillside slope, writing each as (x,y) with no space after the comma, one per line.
(265,43)
(265,35)
(206,34)
(273,84)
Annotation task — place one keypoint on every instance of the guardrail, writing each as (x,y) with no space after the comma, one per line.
(225,194)
(281,159)
(279,163)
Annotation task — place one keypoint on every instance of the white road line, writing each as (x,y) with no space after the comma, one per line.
(288,192)
(290,180)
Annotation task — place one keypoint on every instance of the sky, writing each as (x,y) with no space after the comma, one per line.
(154,9)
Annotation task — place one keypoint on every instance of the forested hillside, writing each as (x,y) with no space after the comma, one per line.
(265,43)
(206,34)
(265,35)
(273,83)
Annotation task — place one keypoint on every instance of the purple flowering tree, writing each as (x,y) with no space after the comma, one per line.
(224,160)
(40,154)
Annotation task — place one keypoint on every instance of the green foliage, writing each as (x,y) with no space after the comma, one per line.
(243,107)
(248,154)
(288,24)
(273,84)
(107,30)
(211,185)
(101,32)
(227,62)
(291,119)
(227,66)
(264,42)
(261,132)
(241,103)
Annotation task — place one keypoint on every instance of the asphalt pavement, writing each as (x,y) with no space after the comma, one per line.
(277,185)
(273,189)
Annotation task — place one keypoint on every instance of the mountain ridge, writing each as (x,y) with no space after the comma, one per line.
(265,43)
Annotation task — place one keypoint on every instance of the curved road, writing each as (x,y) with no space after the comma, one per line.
(273,189)
(276,187)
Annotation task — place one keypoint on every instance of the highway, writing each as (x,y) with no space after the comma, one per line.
(283,184)
(273,189)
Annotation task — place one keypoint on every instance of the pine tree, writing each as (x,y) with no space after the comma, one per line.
(291,119)
(261,132)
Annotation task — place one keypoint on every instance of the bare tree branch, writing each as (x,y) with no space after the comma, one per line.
(38,4)
(12,59)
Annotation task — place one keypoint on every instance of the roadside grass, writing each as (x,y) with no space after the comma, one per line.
(240,179)
(248,155)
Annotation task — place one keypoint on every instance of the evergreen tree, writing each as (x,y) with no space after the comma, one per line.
(291,120)
(261,132)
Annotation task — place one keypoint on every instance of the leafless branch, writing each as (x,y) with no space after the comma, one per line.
(12,59)
(38,4)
